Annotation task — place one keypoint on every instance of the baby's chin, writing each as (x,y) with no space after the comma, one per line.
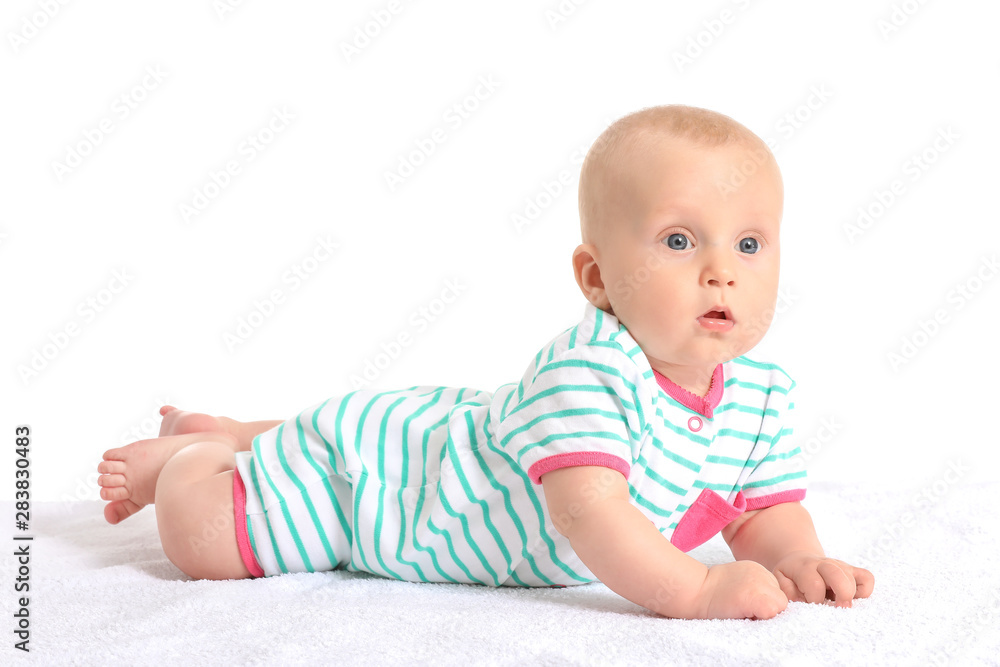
(691,358)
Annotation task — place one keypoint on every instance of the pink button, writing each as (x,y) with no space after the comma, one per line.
(694,424)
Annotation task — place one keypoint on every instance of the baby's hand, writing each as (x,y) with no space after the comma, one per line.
(807,577)
(742,589)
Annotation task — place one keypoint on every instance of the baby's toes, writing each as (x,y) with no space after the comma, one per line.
(113,487)
(111,480)
(116,455)
(116,512)
(111,466)
(114,493)
(165,409)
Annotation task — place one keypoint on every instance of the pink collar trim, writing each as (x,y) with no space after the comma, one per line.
(702,406)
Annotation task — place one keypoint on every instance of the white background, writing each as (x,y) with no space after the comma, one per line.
(884,98)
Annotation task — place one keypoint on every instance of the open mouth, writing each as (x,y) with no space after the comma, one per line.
(717,319)
(718,313)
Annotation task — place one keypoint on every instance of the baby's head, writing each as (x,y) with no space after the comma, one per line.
(680,210)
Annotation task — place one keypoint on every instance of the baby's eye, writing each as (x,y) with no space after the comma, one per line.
(749,245)
(677,241)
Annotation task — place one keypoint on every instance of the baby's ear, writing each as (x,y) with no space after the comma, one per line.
(588,276)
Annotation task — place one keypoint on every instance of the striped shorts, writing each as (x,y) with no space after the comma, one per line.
(269,548)
(392,484)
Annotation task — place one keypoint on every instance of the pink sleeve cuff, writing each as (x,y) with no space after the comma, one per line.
(570,459)
(760,502)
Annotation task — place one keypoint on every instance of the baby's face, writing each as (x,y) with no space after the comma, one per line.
(697,242)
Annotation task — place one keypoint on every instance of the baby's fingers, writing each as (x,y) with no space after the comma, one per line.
(843,585)
(789,588)
(864,580)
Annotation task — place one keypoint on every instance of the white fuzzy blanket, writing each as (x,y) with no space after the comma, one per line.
(103,594)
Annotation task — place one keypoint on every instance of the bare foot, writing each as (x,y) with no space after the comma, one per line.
(129,473)
(179,422)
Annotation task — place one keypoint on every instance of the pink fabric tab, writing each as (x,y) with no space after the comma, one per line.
(708,514)
(702,405)
(239,512)
(569,459)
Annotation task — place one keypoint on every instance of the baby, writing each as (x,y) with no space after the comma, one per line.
(631,438)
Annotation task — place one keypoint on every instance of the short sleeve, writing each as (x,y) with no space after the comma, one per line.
(583,407)
(779,475)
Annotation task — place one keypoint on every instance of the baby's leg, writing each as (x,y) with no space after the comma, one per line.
(180,422)
(194,512)
(245,432)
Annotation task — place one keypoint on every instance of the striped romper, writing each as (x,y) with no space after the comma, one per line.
(443,484)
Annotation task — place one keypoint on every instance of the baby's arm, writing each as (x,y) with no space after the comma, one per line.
(590,505)
(783,539)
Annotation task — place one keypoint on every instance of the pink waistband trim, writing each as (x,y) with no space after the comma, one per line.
(242,539)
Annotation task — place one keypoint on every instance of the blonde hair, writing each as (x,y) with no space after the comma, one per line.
(605,192)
